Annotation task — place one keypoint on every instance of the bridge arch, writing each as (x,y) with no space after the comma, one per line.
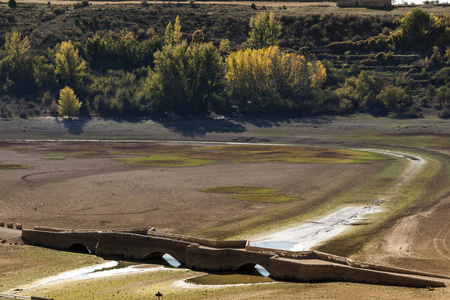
(79,248)
(255,269)
(163,258)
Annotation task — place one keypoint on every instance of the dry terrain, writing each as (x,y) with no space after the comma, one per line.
(81,184)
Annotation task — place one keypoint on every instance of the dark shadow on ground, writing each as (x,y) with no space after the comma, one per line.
(195,128)
(75,126)
(276,121)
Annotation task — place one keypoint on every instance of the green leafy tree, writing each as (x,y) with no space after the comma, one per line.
(70,68)
(443,95)
(68,103)
(18,58)
(177,31)
(394,97)
(431,94)
(224,47)
(266,30)
(12,3)
(168,34)
(186,80)
(416,25)
(198,36)
(44,73)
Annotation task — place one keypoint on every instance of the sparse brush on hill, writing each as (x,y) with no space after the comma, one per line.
(367,60)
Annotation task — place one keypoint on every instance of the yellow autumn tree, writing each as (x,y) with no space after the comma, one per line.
(17,49)
(269,77)
(18,58)
(177,31)
(70,68)
(68,103)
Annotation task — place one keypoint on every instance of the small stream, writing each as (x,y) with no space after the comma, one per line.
(304,237)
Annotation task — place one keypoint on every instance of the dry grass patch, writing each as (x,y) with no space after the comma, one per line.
(185,155)
(12,167)
(165,161)
(252,194)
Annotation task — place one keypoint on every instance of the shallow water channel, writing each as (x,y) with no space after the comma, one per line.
(304,237)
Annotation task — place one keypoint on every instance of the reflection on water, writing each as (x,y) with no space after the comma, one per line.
(171,260)
(263,272)
(166,260)
(223,279)
(255,275)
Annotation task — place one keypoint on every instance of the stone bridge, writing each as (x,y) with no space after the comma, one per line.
(210,255)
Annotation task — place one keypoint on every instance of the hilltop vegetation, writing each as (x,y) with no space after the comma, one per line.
(194,61)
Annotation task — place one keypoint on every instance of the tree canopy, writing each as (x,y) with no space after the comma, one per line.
(70,68)
(68,103)
(266,30)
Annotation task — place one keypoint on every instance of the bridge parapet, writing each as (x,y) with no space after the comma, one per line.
(133,246)
(240,244)
(305,266)
(61,240)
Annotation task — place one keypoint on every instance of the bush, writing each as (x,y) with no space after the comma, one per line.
(81,4)
(12,3)
(23,114)
(48,17)
(414,113)
(59,11)
(445,113)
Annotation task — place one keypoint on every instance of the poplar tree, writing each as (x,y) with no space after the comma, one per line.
(18,57)
(70,68)
(177,31)
(68,103)
(265,31)
(168,35)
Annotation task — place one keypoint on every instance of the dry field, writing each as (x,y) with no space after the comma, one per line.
(81,184)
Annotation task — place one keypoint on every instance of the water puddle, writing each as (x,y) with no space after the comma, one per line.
(304,237)
(111,268)
(256,275)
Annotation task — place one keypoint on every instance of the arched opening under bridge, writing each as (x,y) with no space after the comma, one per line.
(253,269)
(79,248)
(161,258)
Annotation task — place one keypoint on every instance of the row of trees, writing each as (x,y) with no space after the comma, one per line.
(143,72)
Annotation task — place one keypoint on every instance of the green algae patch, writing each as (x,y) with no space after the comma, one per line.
(291,154)
(191,155)
(12,167)
(252,194)
(54,156)
(165,161)
(240,189)
(276,198)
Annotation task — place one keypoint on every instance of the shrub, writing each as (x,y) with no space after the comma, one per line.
(48,17)
(12,3)
(59,11)
(414,113)
(23,114)
(445,113)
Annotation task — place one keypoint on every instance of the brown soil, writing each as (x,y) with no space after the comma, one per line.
(103,193)
(420,241)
